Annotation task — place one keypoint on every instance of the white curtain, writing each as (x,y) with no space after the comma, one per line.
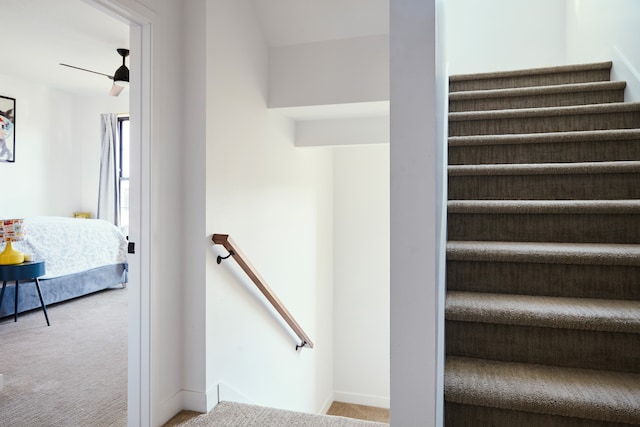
(108,192)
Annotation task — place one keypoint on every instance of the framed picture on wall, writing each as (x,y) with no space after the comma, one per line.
(7,129)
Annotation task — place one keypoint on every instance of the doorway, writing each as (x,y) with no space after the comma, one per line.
(139,386)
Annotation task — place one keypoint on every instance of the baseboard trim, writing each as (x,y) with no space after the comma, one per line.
(196,401)
(362,399)
(168,409)
(327,404)
(230,394)
(185,400)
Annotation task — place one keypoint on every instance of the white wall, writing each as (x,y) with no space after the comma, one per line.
(56,167)
(418,197)
(331,72)
(194,286)
(276,202)
(361,274)
(606,30)
(497,35)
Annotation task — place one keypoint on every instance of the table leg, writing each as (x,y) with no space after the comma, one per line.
(44,307)
(4,285)
(15,305)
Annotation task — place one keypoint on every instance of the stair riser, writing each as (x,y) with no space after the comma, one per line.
(532,80)
(545,187)
(552,123)
(461,415)
(561,152)
(536,101)
(551,346)
(569,228)
(562,280)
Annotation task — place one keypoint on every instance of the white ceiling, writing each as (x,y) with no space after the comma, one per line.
(287,22)
(40,34)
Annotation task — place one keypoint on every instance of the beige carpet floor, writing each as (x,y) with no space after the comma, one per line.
(231,414)
(73,373)
(360,412)
(337,409)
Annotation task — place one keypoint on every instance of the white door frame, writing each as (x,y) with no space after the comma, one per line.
(140,20)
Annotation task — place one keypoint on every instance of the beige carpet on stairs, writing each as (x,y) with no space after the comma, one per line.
(543,253)
(231,414)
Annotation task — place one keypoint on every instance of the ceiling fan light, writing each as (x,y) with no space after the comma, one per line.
(121,76)
(115,90)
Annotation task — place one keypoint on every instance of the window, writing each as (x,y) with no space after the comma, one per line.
(123,175)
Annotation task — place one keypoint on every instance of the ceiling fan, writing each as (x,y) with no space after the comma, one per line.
(120,77)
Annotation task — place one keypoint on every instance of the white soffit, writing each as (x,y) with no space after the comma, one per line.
(340,132)
(339,124)
(297,22)
(335,111)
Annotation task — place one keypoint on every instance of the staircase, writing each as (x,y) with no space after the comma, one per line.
(543,253)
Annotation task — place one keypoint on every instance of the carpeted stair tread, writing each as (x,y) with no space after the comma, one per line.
(571,392)
(546,279)
(546,168)
(232,414)
(538,96)
(546,147)
(546,137)
(616,115)
(542,311)
(606,65)
(542,76)
(569,207)
(544,252)
(537,90)
(572,221)
(545,181)
(459,415)
(524,113)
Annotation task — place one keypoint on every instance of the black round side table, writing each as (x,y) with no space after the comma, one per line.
(26,271)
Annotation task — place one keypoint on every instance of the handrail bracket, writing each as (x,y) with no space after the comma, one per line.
(220,258)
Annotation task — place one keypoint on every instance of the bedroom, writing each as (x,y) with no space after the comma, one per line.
(55,166)
(58,109)
(56,161)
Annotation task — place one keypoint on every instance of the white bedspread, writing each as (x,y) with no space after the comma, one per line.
(71,245)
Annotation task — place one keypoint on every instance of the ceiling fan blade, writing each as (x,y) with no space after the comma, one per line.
(120,78)
(89,71)
(115,90)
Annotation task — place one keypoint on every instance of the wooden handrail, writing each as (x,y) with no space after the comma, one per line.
(230,246)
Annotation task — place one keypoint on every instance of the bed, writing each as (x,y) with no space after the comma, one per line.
(81,256)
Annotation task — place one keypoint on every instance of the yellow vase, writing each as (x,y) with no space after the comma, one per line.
(11,256)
